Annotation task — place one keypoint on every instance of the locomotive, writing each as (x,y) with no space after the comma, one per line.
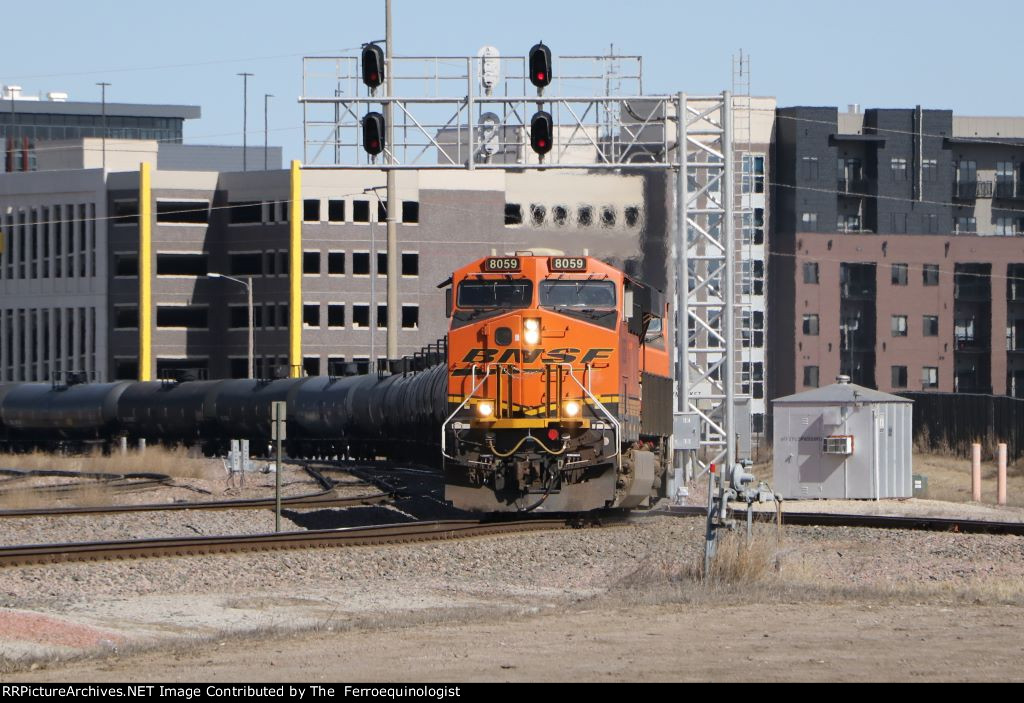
(551,392)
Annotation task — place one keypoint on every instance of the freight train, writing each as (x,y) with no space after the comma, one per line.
(551,392)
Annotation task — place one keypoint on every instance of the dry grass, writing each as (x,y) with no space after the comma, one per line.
(949,479)
(24,499)
(176,463)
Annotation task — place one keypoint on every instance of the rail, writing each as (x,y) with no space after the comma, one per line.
(345,537)
(887,522)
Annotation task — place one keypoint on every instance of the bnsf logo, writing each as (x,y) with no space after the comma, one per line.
(532,356)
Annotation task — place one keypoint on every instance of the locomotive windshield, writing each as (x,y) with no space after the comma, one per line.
(516,293)
(577,294)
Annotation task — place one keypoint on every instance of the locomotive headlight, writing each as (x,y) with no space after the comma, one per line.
(531,331)
(485,409)
(572,409)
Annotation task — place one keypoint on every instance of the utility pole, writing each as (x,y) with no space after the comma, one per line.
(245,119)
(266,129)
(103,89)
(394,263)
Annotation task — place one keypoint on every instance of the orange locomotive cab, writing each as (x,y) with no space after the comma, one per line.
(558,388)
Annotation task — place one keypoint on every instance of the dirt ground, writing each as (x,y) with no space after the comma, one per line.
(820,642)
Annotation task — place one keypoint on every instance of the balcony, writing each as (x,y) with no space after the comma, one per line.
(972,190)
(852,186)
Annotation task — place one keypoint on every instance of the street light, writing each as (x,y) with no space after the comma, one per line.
(248,287)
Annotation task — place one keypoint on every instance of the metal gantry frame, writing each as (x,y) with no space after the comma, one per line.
(707,359)
(458,121)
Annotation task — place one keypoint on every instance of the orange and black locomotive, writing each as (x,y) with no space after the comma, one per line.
(559,389)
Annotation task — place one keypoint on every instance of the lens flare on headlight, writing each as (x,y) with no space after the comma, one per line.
(531,337)
(532,324)
(572,409)
(485,409)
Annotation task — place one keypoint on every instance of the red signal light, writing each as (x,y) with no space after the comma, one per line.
(553,435)
(541,76)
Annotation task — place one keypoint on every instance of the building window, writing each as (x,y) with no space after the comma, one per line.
(931,326)
(361,211)
(848,223)
(181,265)
(126,212)
(410,212)
(382,211)
(335,366)
(126,369)
(931,223)
(311,365)
(899,169)
(336,263)
(311,263)
(238,316)
(125,265)
(810,377)
(899,274)
(310,210)
(382,263)
(931,274)
(361,263)
(753,174)
(361,316)
(187,212)
(181,317)
(966,225)
(930,377)
(410,317)
(899,222)
(811,273)
(811,325)
(1007,226)
(126,317)
(899,376)
(585,216)
(410,264)
(899,325)
(247,213)
(809,220)
(513,214)
(335,210)
(929,170)
(560,215)
(336,316)
(245,264)
(809,168)
(311,316)
(382,317)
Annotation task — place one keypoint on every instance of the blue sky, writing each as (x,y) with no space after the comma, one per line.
(879,54)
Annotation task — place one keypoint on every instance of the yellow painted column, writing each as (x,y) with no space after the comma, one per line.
(295,273)
(145,273)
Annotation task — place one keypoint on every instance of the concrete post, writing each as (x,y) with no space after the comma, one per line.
(1001,481)
(123,445)
(976,473)
(142,446)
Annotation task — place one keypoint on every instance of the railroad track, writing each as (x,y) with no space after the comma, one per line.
(888,522)
(346,537)
(324,499)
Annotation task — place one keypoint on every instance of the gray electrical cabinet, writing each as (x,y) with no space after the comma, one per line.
(843,442)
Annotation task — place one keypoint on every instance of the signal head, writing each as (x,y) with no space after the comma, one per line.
(373,66)
(540,65)
(374,131)
(542,132)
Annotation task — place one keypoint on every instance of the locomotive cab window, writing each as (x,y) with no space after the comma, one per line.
(516,293)
(577,294)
